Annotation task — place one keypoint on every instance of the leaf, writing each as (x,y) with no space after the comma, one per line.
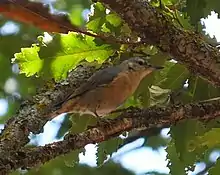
(173,76)
(200,89)
(36,14)
(75,16)
(107,148)
(29,61)
(100,21)
(72,158)
(215,169)
(212,5)
(158,58)
(210,139)
(156,142)
(184,20)
(183,134)
(195,9)
(80,123)
(114,19)
(61,55)
(98,18)
(174,163)
(159,96)
(65,126)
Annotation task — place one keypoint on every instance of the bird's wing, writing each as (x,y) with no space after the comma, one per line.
(98,79)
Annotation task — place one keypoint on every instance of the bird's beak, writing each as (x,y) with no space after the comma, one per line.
(156,67)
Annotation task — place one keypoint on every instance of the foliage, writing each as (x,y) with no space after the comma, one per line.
(45,56)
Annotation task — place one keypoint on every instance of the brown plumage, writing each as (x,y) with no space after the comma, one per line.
(107,89)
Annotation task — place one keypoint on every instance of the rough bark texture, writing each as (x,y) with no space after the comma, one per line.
(155,28)
(127,120)
(30,117)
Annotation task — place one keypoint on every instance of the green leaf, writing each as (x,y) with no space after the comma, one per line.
(215,169)
(107,148)
(212,5)
(183,20)
(97,20)
(114,19)
(183,134)
(29,60)
(81,122)
(156,142)
(157,58)
(200,89)
(173,76)
(210,139)
(72,158)
(175,165)
(195,9)
(75,16)
(159,96)
(65,126)
(100,21)
(61,55)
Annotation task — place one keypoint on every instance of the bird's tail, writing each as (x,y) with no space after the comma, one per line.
(67,107)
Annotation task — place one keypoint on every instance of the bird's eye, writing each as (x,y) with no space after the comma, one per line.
(141,62)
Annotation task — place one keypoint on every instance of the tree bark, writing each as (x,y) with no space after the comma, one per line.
(127,120)
(153,27)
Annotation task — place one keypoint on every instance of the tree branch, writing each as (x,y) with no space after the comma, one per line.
(127,120)
(30,117)
(153,27)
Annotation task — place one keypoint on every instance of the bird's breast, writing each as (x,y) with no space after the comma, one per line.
(115,93)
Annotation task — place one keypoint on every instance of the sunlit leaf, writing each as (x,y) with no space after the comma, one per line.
(61,55)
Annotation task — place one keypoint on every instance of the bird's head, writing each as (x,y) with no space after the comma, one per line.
(137,64)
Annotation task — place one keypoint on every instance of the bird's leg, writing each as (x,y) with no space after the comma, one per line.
(100,120)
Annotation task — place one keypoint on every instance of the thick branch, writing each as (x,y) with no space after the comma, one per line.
(30,116)
(155,28)
(135,118)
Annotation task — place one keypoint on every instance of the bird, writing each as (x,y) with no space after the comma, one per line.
(107,89)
